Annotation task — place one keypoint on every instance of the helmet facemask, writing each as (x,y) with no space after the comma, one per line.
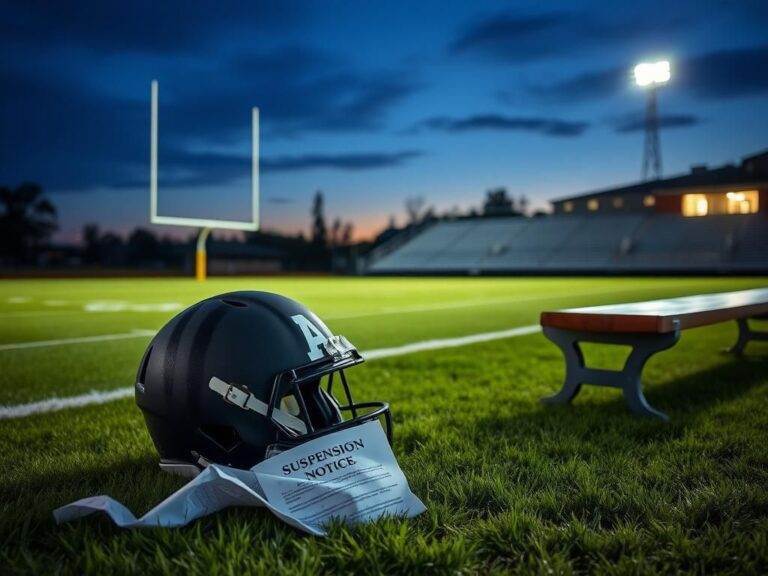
(308,394)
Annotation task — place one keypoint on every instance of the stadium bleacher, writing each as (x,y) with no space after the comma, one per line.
(590,244)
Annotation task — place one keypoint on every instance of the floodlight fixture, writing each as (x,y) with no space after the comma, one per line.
(652,73)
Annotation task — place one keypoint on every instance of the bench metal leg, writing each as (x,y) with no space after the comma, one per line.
(746,334)
(629,378)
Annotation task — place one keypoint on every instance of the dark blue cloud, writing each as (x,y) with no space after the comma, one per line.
(62,137)
(279,200)
(512,37)
(726,74)
(587,86)
(546,126)
(350,161)
(297,89)
(157,27)
(637,122)
(185,169)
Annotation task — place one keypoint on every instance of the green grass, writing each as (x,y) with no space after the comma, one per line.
(510,485)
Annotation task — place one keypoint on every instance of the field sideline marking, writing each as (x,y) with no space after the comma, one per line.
(97,397)
(78,340)
(457,304)
(425,307)
(450,342)
(33,313)
(56,404)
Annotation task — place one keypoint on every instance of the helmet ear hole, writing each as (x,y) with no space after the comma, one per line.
(225,436)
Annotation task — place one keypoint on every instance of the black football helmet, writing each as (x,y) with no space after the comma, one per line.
(244,375)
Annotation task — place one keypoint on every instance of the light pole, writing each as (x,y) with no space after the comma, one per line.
(651,75)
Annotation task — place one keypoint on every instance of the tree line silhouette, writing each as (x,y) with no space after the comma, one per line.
(28,220)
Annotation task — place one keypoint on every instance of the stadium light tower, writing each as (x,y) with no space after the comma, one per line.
(651,75)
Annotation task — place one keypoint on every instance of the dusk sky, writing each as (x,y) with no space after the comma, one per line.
(371,102)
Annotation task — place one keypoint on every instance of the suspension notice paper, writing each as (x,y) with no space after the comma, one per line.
(351,475)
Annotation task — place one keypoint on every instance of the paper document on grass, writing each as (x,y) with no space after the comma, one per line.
(351,475)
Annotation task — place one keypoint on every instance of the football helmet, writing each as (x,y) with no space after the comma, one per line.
(244,375)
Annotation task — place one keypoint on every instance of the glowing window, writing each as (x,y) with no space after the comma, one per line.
(649,200)
(593,204)
(618,202)
(695,205)
(568,207)
(743,202)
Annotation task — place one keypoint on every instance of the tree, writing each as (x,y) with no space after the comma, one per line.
(107,249)
(91,243)
(524,203)
(318,221)
(413,208)
(336,233)
(346,234)
(27,220)
(498,203)
(110,249)
(143,246)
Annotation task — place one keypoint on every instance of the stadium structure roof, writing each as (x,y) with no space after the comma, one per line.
(752,170)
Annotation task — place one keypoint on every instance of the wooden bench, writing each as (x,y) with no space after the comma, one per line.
(646,327)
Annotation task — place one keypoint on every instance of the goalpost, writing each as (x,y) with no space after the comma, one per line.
(205,225)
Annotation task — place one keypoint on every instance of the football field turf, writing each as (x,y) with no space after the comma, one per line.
(510,485)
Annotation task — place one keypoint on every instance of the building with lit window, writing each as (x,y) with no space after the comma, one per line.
(730,189)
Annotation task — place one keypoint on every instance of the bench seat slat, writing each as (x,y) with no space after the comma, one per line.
(661,316)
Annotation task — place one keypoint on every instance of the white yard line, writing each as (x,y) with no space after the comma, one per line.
(457,304)
(78,340)
(33,313)
(122,306)
(17,300)
(97,397)
(100,307)
(450,342)
(423,308)
(56,404)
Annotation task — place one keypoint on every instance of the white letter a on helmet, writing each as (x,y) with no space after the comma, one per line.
(315,339)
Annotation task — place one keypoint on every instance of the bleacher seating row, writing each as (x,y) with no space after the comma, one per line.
(590,244)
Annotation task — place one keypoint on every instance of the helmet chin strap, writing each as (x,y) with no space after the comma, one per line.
(247,401)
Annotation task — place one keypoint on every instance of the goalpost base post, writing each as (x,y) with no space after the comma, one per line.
(201,256)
